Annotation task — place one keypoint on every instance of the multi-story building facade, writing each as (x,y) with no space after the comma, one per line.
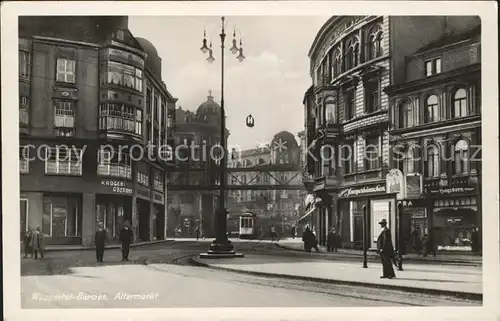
(436,134)
(200,129)
(82,125)
(280,206)
(353,59)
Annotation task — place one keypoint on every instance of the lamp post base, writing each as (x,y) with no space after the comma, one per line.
(221,250)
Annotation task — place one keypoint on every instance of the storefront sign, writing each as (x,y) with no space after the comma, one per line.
(118,187)
(158,198)
(412,203)
(417,213)
(395,183)
(362,191)
(143,193)
(451,190)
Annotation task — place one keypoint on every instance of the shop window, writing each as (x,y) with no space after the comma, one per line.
(112,216)
(66,70)
(460,103)
(431,109)
(24,155)
(23,111)
(432,67)
(433,161)
(372,96)
(125,75)
(461,157)
(114,163)
(372,153)
(63,160)
(64,115)
(60,217)
(24,64)
(406,116)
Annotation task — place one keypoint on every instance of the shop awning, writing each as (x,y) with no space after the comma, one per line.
(308,213)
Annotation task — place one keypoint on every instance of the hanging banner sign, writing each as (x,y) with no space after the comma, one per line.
(395,182)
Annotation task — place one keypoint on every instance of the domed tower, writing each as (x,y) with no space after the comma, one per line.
(209,111)
(285,149)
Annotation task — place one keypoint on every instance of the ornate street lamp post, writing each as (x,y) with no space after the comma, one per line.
(221,246)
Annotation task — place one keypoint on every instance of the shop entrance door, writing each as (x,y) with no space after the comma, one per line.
(144,213)
(160,223)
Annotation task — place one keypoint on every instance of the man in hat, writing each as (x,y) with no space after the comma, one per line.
(386,250)
(100,242)
(126,238)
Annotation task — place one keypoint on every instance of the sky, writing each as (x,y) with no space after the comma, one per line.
(269,84)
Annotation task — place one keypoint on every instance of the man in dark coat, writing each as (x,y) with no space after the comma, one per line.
(28,249)
(386,250)
(100,242)
(332,241)
(126,238)
(309,240)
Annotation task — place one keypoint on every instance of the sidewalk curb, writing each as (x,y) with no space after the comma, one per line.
(460,295)
(438,261)
(112,246)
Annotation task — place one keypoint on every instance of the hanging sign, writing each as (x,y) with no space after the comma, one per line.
(395,183)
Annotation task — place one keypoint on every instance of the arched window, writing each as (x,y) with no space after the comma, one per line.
(352,53)
(336,63)
(406,115)
(375,42)
(408,161)
(431,109)
(433,159)
(460,103)
(461,157)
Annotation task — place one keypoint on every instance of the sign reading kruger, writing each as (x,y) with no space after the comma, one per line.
(118,187)
(361,191)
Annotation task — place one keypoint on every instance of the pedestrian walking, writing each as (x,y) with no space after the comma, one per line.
(309,240)
(294,232)
(126,238)
(197,230)
(332,241)
(38,243)
(475,243)
(27,238)
(386,251)
(274,234)
(100,242)
(429,244)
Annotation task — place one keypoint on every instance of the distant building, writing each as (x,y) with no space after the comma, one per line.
(353,60)
(282,206)
(82,84)
(189,209)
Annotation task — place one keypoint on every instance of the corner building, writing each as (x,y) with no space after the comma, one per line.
(84,87)
(353,59)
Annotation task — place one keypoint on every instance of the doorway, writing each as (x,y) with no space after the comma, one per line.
(143,209)
(160,222)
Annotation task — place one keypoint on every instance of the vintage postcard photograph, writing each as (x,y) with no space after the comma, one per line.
(306,159)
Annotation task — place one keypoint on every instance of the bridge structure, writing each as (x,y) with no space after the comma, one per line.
(258,177)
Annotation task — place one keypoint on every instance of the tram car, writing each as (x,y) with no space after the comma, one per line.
(248,223)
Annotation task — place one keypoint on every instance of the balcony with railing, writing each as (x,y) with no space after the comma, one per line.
(114,170)
(64,121)
(63,167)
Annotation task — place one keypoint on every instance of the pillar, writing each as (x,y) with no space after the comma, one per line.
(135,218)
(88,218)
(152,220)
(35,209)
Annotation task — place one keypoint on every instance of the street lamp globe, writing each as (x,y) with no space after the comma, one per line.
(204,48)
(240,56)
(210,58)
